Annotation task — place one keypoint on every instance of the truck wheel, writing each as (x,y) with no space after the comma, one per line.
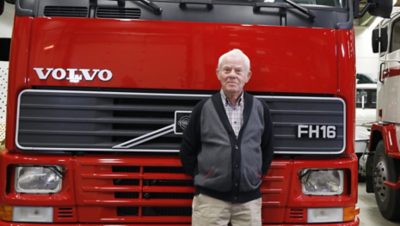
(388,200)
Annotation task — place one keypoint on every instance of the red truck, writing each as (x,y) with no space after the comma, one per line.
(101,90)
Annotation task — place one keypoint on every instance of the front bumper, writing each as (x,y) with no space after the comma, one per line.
(356,222)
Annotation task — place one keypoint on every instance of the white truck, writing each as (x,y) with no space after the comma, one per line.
(383,163)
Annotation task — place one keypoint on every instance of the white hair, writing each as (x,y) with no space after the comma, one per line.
(235,52)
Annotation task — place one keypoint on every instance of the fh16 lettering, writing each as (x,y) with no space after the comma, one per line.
(316,131)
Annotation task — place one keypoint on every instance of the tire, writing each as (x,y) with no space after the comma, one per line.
(384,168)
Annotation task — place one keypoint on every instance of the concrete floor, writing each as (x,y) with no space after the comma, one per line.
(369,212)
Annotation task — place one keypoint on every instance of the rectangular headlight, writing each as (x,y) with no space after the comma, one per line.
(38,179)
(322,181)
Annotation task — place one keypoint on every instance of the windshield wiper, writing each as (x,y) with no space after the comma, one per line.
(301,9)
(281,5)
(155,8)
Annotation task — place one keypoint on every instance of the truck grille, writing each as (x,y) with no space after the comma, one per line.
(134,189)
(151,189)
(51,120)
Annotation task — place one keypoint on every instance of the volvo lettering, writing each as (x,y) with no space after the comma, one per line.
(73,74)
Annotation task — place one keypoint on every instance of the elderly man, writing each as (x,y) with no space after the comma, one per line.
(227,148)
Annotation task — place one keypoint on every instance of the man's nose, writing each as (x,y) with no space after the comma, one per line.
(232,74)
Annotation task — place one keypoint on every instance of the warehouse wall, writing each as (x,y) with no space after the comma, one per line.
(6,21)
(3,97)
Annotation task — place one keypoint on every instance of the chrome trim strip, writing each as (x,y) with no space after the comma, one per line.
(146,137)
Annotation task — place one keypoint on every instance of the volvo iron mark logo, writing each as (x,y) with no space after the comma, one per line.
(73,75)
(181,121)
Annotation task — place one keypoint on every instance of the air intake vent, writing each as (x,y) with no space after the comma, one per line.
(65,214)
(122,13)
(65,11)
(296,215)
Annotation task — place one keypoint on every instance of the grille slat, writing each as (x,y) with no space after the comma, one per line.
(170,176)
(163,189)
(87,133)
(300,112)
(98,121)
(146,147)
(289,124)
(299,149)
(139,202)
(140,108)
(111,189)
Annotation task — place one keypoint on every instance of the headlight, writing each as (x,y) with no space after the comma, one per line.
(322,181)
(38,179)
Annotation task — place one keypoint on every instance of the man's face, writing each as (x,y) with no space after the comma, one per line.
(233,74)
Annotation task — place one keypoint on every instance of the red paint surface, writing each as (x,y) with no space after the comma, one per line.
(183,55)
(391,72)
(391,147)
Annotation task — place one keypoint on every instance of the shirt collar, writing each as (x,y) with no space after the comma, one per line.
(225,100)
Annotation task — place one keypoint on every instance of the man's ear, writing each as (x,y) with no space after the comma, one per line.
(248,76)
(216,72)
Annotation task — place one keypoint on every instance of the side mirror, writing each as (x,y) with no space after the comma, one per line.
(381,8)
(379,39)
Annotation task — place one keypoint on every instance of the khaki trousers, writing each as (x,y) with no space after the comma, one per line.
(208,211)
